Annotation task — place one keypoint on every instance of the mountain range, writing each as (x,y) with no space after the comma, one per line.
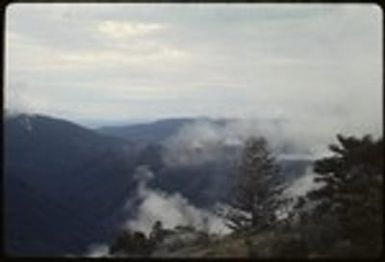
(66,186)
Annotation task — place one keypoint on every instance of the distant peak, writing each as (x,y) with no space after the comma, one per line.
(15,114)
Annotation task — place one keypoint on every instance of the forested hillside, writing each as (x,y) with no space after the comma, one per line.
(68,188)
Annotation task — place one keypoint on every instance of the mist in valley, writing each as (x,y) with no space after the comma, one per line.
(171,130)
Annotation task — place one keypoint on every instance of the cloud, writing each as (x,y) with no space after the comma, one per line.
(319,65)
(98,250)
(303,184)
(22,98)
(119,58)
(171,209)
(208,140)
(119,29)
(204,141)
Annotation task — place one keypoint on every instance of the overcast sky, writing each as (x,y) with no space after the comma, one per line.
(94,63)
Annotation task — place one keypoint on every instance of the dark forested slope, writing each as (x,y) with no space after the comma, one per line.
(62,181)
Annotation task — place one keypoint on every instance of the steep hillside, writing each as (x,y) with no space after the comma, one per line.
(60,177)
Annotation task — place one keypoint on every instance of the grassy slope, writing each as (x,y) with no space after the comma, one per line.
(263,245)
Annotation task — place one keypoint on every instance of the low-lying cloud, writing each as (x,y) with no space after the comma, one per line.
(303,184)
(170,209)
(204,141)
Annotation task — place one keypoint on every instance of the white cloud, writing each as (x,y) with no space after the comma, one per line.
(171,209)
(317,64)
(203,141)
(304,184)
(118,29)
(97,251)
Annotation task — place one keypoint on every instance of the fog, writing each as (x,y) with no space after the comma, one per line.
(204,141)
(170,209)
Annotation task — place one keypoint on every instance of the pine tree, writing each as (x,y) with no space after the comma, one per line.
(256,187)
(353,191)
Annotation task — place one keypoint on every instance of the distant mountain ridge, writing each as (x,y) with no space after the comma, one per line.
(148,133)
(157,132)
(67,186)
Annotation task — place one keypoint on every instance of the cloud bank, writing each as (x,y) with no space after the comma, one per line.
(171,209)
(204,141)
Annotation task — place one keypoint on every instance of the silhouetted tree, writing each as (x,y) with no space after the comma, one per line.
(353,191)
(156,234)
(256,188)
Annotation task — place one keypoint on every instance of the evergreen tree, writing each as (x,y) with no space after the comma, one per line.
(256,188)
(353,191)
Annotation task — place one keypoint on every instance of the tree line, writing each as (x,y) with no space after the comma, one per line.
(342,217)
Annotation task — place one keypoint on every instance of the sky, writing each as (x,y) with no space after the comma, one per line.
(317,64)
